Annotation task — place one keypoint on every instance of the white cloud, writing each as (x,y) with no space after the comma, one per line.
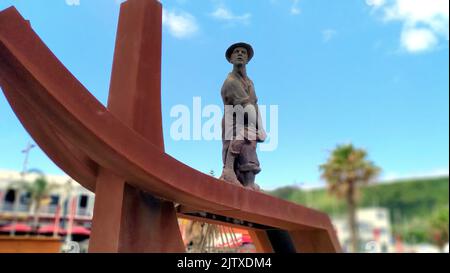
(375,3)
(418,40)
(224,14)
(425,22)
(328,35)
(413,11)
(181,25)
(73,2)
(295,10)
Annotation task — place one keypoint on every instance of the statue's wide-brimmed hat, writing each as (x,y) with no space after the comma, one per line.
(236,45)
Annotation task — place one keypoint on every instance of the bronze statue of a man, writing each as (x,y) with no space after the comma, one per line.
(241,125)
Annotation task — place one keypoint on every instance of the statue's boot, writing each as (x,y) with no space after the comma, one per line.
(228,173)
(249,181)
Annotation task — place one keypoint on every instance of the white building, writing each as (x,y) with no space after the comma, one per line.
(374,231)
(65,194)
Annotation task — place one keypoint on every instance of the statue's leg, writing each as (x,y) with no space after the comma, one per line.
(228,173)
(248,179)
(249,165)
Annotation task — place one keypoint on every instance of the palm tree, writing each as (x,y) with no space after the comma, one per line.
(39,192)
(346,169)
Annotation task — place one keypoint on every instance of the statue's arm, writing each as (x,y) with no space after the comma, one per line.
(232,94)
(262,135)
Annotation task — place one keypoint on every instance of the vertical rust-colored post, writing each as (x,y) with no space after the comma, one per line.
(314,241)
(125,218)
(261,241)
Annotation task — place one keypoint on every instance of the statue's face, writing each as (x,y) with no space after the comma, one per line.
(239,56)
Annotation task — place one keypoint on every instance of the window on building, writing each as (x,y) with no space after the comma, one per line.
(54,200)
(83,201)
(364,227)
(9,199)
(83,205)
(25,198)
(10,196)
(53,205)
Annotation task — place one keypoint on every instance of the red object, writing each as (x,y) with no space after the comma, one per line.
(246,239)
(399,244)
(17,227)
(50,229)
(78,230)
(376,234)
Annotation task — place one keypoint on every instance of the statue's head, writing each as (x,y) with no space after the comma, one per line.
(239,54)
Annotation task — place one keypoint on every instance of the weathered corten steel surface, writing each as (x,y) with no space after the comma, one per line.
(119,150)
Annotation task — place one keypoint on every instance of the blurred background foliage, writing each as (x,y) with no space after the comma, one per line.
(418,208)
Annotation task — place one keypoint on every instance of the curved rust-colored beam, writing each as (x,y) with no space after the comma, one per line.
(73,161)
(32,76)
(69,158)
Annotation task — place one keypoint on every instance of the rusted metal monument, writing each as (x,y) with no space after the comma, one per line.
(118,151)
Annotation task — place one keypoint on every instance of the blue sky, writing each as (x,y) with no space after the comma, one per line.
(370,72)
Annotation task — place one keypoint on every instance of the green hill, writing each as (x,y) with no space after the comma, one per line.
(410,202)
